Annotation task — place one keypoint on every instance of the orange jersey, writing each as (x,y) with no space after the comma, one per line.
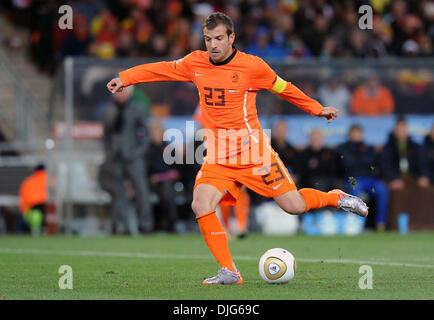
(227,92)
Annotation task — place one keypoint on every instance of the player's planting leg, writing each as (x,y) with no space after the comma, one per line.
(205,199)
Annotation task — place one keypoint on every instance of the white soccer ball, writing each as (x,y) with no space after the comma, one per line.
(277,265)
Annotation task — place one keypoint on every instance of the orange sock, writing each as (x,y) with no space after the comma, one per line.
(215,237)
(225,212)
(317,199)
(242,209)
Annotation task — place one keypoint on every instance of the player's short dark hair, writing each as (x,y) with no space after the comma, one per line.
(217,18)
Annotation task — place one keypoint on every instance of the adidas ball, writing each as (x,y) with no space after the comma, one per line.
(277,266)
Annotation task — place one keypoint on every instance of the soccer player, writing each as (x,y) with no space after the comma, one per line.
(228,81)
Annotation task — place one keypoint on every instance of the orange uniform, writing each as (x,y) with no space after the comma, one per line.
(227,92)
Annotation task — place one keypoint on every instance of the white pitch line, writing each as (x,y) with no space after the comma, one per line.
(195,257)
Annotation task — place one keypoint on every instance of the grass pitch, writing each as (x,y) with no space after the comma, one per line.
(173,266)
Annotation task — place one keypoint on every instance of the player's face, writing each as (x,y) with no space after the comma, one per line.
(218,43)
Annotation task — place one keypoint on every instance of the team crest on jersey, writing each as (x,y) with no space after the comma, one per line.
(235,77)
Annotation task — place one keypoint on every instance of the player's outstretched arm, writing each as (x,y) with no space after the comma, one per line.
(294,95)
(291,93)
(178,70)
(115,85)
(265,78)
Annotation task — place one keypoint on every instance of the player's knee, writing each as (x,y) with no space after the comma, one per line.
(298,207)
(200,206)
(295,207)
(292,203)
(302,207)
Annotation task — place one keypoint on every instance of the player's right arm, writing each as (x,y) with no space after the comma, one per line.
(152,72)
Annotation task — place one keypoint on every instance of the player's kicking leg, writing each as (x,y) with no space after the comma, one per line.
(303,200)
(205,200)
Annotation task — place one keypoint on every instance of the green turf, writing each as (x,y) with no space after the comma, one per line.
(173,266)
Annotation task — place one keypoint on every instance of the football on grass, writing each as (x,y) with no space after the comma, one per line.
(277,265)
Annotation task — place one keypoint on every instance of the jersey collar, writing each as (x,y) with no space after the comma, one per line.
(228,59)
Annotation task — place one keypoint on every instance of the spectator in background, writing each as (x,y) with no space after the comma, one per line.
(33,195)
(262,47)
(372,98)
(162,177)
(126,47)
(397,20)
(288,154)
(330,48)
(358,43)
(360,164)
(126,140)
(105,31)
(42,40)
(76,43)
(428,153)
(335,93)
(88,8)
(315,34)
(402,159)
(319,165)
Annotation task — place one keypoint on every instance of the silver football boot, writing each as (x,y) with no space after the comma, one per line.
(351,203)
(225,276)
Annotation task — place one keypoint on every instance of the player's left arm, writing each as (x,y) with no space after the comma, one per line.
(266,78)
(291,93)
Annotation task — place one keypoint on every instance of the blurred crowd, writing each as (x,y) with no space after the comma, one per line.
(370,172)
(271,29)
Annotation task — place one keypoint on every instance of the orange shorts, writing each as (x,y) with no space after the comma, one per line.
(269,180)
